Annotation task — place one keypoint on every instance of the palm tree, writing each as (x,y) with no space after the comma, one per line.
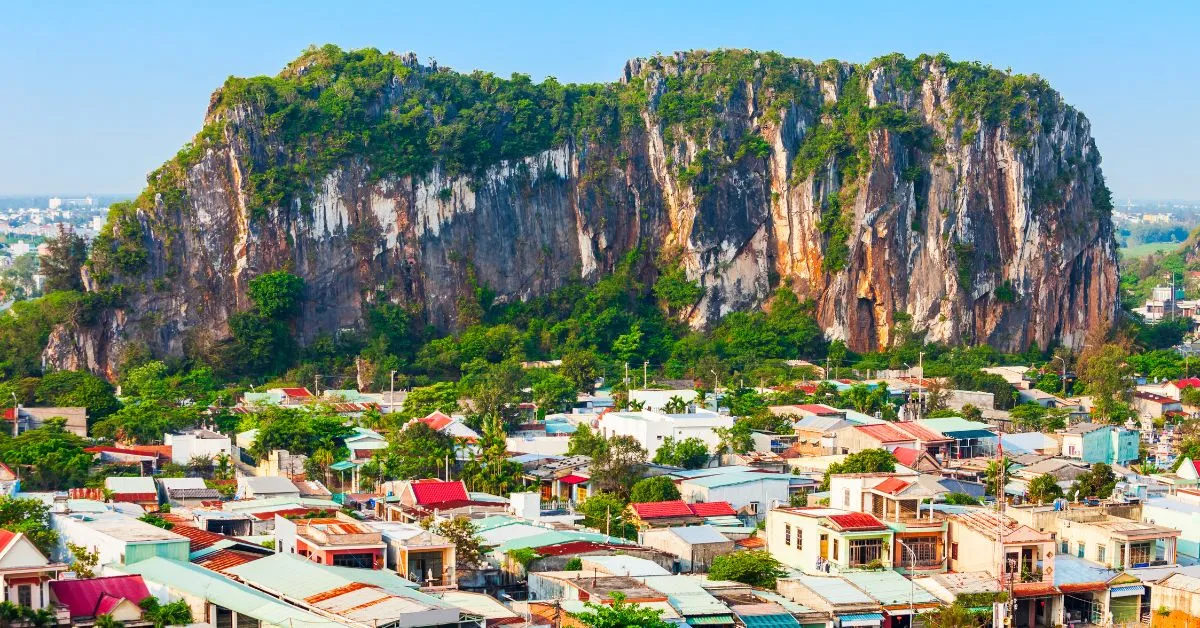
(636,405)
(952,616)
(107,621)
(993,475)
(675,405)
(323,458)
(9,612)
(701,398)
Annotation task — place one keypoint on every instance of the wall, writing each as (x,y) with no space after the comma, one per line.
(692,558)
(1186,521)
(1097,445)
(184,447)
(767,492)
(1184,607)
(172,550)
(982,400)
(803,557)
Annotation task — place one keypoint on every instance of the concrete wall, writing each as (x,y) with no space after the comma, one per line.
(982,400)
(692,558)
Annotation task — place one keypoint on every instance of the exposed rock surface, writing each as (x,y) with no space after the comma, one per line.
(981,230)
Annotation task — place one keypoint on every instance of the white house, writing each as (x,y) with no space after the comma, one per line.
(658,399)
(25,571)
(197,443)
(265,487)
(650,428)
(749,492)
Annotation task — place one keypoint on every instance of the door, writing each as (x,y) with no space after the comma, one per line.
(824,546)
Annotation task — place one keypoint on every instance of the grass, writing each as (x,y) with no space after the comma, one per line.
(1142,250)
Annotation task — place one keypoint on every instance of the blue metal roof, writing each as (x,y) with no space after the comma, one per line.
(861,619)
(1127,590)
(782,620)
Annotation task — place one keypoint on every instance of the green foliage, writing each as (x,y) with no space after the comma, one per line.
(757,568)
(619,614)
(156,521)
(77,388)
(617,466)
(865,461)
(675,291)
(574,563)
(689,453)
(961,499)
(659,488)
(606,512)
(1105,371)
(523,556)
(585,442)
(468,545)
(145,422)
(297,431)
(1099,482)
(736,439)
(61,265)
(1043,489)
(421,402)
(276,294)
(48,458)
(84,561)
(30,517)
(414,452)
(491,471)
(177,613)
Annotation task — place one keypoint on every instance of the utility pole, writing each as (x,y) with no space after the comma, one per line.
(645,374)
(317,385)
(626,375)
(392,394)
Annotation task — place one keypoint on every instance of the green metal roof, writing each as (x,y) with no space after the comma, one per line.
(554,537)
(301,578)
(782,620)
(211,586)
(711,620)
(889,588)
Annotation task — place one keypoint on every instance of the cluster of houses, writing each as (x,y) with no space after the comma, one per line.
(272,546)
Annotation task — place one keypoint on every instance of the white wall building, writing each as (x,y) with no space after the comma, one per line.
(195,443)
(749,492)
(650,428)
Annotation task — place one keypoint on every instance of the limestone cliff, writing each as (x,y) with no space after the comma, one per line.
(965,200)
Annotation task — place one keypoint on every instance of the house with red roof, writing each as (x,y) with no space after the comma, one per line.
(25,571)
(855,438)
(676,513)
(829,540)
(916,459)
(1175,389)
(87,599)
(416,499)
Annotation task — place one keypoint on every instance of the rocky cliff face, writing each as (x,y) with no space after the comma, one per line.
(964,201)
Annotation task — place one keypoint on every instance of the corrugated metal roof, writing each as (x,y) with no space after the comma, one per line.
(656,510)
(130,485)
(835,591)
(734,479)
(687,595)
(626,566)
(699,535)
(779,620)
(219,589)
(889,588)
(855,521)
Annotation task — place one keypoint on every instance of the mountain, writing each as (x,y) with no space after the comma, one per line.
(963,201)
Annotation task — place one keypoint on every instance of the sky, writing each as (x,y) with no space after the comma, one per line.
(93,95)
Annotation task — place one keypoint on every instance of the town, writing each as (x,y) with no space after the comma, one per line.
(808,510)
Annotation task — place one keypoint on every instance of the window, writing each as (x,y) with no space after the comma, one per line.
(799,538)
(865,551)
(752,507)
(25,595)
(245,621)
(224,617)
(1101,551)
(364,561)
(1064,547)
(846,497)
(954,551)
(835,552)
(787,534)
(920,552)
(1080,548)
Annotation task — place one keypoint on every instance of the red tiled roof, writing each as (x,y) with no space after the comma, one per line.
(1189,382)
(712,509)
(906,456)
(575,547)
(93,596)
(436,421)
(573,479)
(6,539)
(297,392)
(856,521)
(1033,589)
(818,409)
(435,492)
(662,510)
(199,539)
(752,542)
(884,433)
(286,512)
(920,432)
(891,486)
(223,559)
(1083,587)
(1153,397)
(1196,466)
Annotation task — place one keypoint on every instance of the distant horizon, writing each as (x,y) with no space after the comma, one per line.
(103,94)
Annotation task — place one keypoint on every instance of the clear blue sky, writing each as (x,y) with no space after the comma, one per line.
(96,94)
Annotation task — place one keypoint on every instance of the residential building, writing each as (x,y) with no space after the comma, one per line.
(834,596)
(750,493)
(339,540)
(117,538)
(828,540)
(417,554)
(1152,406)
(364,443)
(115,596)
(26,418)
(198,443)
(1180,511)
(668,514)
(970,438)
(649,428)
(186,492)
(26,573)
(659,399)
(973,535)
(1110,540)
(1175,600)
(695,546)
(1093,442)
(856,438)
(266,487)
(141,491)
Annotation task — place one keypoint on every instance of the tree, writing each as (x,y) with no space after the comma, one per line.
(689,453)
(276,294)
(865,461)
(75,389)
(618,466)
(50,458)
(414,452)
(619,614)
(606,512)
(993,475)
(585,442)
(468,546)
(1099,482)
(491,471)
(1190,396)
(420,402)
(580,367)
(145,422)
(1043,489)
(757,568)
(259,345)
(63,262)
(1105,372)
(553,392)
(961,499)
(955,615)
(574,563)
(936,396)
(971,413)
(83,560)
(107,621)
(659,488)
(30,517)
(177,613)
(736,439)
(675,405)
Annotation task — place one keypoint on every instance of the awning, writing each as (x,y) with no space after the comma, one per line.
(862,619)
(1127,590)
(968,434)
(342,466)
(573,479)
(710,620)
(780,620)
